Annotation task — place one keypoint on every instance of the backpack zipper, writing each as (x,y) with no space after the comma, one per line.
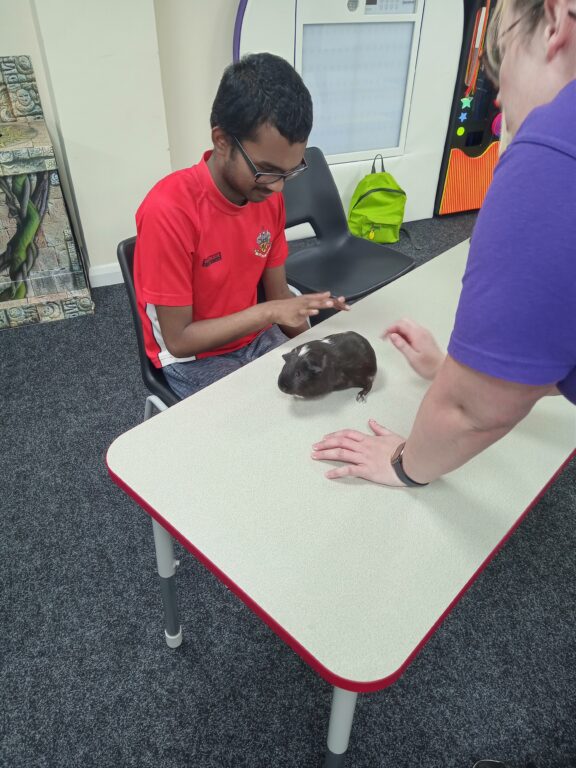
(378,189)
(373,227)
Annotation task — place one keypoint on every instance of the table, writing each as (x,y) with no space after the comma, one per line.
(354,577)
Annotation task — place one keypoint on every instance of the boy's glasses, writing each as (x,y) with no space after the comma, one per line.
(266,177)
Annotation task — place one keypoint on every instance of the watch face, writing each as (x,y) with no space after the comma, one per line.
(396,462)
(397,453)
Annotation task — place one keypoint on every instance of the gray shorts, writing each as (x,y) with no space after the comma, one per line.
(187,378)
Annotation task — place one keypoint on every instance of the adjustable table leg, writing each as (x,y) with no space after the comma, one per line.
(166,570)
(341,717)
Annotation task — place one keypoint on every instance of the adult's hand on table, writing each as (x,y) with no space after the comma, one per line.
(363,455)
(417,345)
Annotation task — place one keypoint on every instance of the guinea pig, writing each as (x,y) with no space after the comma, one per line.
(339,361)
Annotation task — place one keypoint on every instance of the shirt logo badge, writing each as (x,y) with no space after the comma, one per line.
(264,242)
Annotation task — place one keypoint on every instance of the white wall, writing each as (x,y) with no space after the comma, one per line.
(102,61)
(128,86)
(195,40)
(98,74)
(117,122)
(18,37)
(417,166)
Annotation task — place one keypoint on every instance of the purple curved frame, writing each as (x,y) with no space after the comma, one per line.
(237,29)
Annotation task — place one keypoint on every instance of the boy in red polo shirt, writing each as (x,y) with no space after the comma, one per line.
(207,235)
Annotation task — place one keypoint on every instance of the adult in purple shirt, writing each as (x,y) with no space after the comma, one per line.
(514,339)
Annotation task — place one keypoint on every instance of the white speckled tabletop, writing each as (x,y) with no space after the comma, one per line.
(354,576)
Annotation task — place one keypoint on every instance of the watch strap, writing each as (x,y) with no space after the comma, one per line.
(399,468)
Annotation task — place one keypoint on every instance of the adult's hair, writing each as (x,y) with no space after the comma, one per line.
(530,13)
(262,88)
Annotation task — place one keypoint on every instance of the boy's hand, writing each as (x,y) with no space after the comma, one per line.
(292,312)
(340,303)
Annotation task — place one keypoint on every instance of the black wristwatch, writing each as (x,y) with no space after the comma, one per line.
(396,462)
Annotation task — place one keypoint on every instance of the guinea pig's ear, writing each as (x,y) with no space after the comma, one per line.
(316,367)
(286,357)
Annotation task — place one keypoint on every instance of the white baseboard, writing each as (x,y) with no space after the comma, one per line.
(105,274)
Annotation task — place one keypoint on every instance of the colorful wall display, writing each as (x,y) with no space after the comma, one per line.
(472,144)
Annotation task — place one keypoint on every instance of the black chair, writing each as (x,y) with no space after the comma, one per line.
(339,262)
(162,396)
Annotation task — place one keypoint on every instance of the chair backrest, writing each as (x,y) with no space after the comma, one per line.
(313,198)
(153,377)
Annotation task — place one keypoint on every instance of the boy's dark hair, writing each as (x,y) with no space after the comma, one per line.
(262,88)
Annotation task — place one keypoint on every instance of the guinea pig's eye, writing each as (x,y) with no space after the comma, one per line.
(298,374)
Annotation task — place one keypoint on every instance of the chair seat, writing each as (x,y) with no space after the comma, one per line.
(339,262)
(350,267)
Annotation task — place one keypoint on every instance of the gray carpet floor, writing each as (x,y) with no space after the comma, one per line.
(86,679)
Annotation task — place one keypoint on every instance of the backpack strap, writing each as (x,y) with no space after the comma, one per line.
(409,234)
(381,164)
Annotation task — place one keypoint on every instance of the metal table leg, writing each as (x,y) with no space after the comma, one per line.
(341,717)
(166,570)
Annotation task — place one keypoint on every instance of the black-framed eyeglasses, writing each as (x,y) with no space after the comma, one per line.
(268,177)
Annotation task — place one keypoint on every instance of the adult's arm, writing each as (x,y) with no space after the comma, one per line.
(462,413)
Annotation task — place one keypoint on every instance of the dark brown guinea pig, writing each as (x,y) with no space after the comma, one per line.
(339,361)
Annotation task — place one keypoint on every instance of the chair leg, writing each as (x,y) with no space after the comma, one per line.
(153,401)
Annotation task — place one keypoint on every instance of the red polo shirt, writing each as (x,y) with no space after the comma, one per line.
(196,248)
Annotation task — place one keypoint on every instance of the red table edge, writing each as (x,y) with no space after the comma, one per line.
(305,655)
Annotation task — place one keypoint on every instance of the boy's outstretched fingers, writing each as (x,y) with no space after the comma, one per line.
(340,303)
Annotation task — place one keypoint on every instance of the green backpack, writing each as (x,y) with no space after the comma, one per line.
(377,207)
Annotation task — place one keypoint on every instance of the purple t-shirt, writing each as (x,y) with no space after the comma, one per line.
(516,318)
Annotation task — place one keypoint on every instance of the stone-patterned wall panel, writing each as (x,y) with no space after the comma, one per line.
(41,275)
(20,90)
